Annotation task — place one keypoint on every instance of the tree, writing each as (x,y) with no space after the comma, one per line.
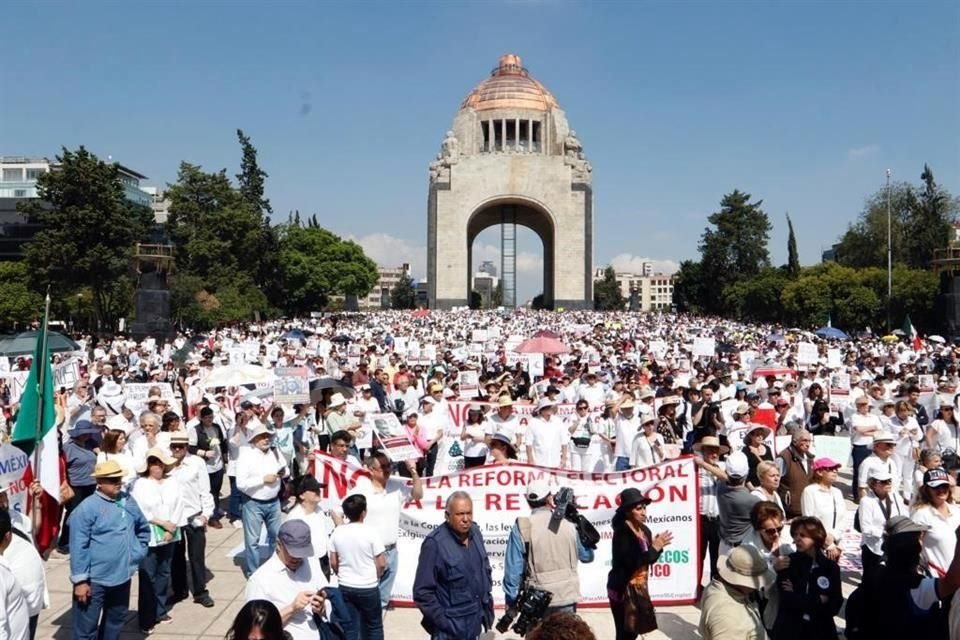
(928,227)
(736,247)
(864,244)
(793,258)
(757,298)
(315,264)
(251,177)
(88,233)
(18,304)
(403,295)
(606,292)
(688,287)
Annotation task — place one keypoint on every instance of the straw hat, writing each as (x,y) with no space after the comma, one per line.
(158,453)
(711,441)
(743,566)
(108,469)
(505,401)
(336,400)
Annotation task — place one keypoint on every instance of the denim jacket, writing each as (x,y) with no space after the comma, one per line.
(108,539)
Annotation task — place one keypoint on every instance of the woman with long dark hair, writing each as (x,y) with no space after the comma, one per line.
(635,548)
(257,620)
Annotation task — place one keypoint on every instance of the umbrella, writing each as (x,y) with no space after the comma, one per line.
(421,313)
(343,338)
(237,375)
(546,333)
(778,372)
(776,337)
(937,339)
(541,345)
(319,385)
(726,347)
(898,332)
(832,333)
(890,339)
(294,334)
(24,344)
(198,339)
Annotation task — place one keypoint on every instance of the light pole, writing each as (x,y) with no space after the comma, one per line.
(889,254)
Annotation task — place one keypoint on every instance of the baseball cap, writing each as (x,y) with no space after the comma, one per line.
(825,463)
(879,473)
(935,478)
(295,537)
(538,490)
(737,465)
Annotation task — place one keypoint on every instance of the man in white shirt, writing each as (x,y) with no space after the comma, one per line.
(628,425)
(357,557)
(593,392)
(14,614)
(292,580)
(505,421)
(546,438)
(884,443)
(191,473)
(260,470)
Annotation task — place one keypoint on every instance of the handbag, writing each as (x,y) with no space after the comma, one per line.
(581,442)
(638,613)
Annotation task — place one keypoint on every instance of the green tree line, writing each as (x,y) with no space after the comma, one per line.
(734,277)
(231,261)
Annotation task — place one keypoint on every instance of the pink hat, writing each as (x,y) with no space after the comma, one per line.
(825,463)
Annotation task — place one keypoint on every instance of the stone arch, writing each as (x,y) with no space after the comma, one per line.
(526,212)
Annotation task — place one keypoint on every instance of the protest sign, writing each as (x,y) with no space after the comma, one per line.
(66,374)
(138,392)
(926,383)
(834,358)
(469,384)
(13,464)
(4,364)
(535,364)
(400,344)
(237,355)
(291,386)
(807,354)
(498,500)
(705,347)
(478,335)
(392,437)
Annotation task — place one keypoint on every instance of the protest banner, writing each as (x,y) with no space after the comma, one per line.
(807,354)
(13,464)
(705,347)
(139,391)
(498,500)
(291,386)
(392,437)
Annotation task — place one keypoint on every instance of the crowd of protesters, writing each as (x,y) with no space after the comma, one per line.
(145,473)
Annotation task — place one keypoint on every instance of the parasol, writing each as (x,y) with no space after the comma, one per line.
(319,385)
(24,344)
(541,345)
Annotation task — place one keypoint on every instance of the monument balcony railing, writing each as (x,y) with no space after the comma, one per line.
(947,259)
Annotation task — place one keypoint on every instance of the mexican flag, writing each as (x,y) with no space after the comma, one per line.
(911,333)
(36,434)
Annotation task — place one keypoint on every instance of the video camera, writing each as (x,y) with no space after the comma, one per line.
(529,609)
(565,508)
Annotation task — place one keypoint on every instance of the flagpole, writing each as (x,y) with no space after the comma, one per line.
(41,385)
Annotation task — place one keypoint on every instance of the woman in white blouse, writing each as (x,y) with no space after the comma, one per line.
(933,508)
(648,444)
(908,434)
(161,501)
(769,476)
(825,502)
(114,447)
(863,425)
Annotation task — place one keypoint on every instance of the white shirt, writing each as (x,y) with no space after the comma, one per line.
(827,506)
(14,616)
(509,427)
(627,428)
(194,482)
(645,453)
(940,540)
(27,567)
(21,522)
(859,420)
(592,394)
(908,436)
(357,546)
(252,466)
(318,523)
(547,440)
(946,436)
(872,520)
(708,493)
(874,462)
(274,582)
(383,510)
(158,501)
(475,446)
(760,493)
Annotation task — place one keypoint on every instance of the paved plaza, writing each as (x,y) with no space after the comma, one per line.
(227,585)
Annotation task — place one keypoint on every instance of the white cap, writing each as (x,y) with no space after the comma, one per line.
(737,465)
(538,490)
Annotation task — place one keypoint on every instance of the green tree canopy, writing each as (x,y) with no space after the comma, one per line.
(403,295)
(735,247)
(793,256)
(18,303)
(606,292)
(89,229)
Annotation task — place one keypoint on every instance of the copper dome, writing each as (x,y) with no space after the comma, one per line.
(510,87)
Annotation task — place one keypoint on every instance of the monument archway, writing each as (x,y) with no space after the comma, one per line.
(511,159)
(505,212)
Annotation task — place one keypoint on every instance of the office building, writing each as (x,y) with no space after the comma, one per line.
(654,290)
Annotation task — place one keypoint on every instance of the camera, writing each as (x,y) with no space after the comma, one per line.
(565,508)
(529,608)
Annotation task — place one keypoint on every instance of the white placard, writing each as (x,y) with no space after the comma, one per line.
(834,358)
(807,354)
(705,347)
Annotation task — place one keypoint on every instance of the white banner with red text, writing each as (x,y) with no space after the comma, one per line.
(498,500)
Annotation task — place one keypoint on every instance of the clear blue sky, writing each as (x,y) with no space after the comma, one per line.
(802,104)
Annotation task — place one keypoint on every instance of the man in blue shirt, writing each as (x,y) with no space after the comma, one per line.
(80,459)
(554,553)
(453,586)
(108,539)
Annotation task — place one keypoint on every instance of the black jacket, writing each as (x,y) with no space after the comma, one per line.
(627,556)
(807,609)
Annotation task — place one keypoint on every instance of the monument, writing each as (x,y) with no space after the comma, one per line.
(511,159)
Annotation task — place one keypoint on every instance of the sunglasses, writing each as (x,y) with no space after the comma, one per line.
(771,531)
